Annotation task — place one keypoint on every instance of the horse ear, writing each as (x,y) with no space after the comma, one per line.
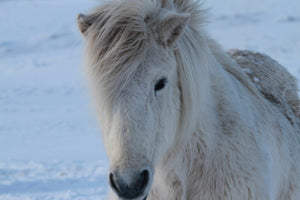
(84,22)
(171,27)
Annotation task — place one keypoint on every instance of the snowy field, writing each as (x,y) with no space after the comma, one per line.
(50,145)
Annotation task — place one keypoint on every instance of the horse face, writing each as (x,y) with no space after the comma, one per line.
(140,117)
(143,124)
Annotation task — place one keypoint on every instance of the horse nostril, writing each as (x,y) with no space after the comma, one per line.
(113,184)
(144,179)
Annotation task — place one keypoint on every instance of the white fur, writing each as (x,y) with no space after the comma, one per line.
(211,133)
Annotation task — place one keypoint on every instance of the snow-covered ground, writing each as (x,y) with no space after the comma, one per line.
(50,146)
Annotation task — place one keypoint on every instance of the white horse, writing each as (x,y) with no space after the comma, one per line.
(182,119)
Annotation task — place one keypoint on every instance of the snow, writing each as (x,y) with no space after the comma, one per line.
(50,145)
(268,26)
(256,80)
(55,180)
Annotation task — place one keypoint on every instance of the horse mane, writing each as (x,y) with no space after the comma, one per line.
(117,43)
(198,54)
(117,38)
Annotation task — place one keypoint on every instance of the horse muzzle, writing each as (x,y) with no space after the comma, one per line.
(131,186)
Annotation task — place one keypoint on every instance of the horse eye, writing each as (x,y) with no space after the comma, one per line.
(160,84)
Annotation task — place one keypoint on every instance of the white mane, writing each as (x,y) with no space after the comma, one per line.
(114,51)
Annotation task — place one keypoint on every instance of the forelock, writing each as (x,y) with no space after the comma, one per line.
(116,41)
